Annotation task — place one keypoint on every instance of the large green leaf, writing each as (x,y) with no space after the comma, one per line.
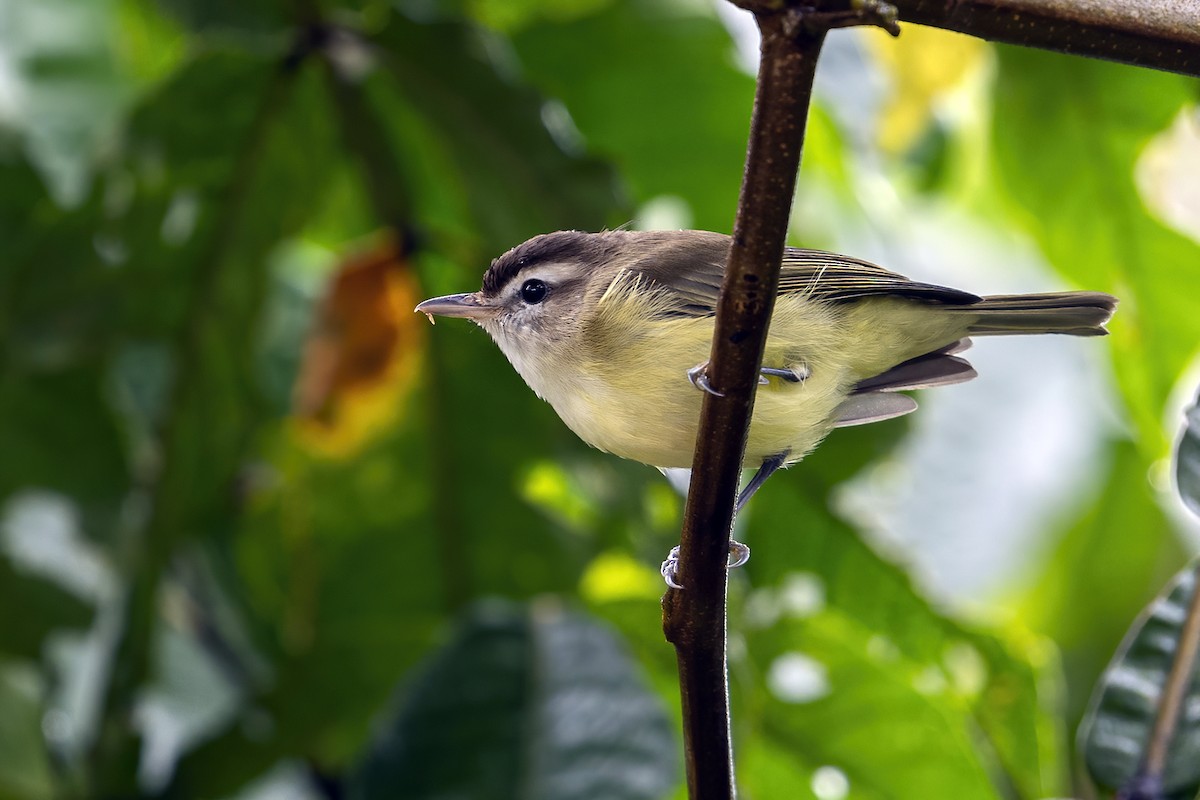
(31,608)
(652,86)
(868,614)
(1110,561)
(523,703)
(1116,732)
(59,434)
(825,681)
(516,176)
(1068,135)
(25,769)
(195,205)
(248,20)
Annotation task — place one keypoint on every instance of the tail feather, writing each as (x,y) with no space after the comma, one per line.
(1071,313)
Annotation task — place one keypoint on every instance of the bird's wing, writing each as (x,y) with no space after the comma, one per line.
(692,274)
(833,277)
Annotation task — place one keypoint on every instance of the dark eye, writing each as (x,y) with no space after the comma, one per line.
(534,291)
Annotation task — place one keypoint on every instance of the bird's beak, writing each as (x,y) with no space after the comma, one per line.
(470,306)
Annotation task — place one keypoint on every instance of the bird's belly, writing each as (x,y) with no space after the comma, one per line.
(659,427)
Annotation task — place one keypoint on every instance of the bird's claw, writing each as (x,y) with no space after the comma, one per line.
(739,554)
(698,375)
(667,570)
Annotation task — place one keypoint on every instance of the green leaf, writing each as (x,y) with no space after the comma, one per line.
(517,176)
(825,681)
(809,565)
(654,87)
(1109,561)
(25,769)
(232,16)
(1116,731)
(59,434)
(31,608)
(1068,134)
(1187,460)
(531,703)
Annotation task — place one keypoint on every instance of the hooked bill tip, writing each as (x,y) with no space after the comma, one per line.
(454,305)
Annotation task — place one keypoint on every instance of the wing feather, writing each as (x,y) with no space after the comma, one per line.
(690,272)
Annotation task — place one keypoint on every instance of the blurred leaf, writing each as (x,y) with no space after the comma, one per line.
(652,86)
(202,199)
(825,680)
(25,770)
(59,434)
(1115,734)
(1099,234)
(520,177)
(924,65)
(363,351)
(63,89)
(1109,561)
(232,16)
(808,562)
(31,608)
(49,318)
(523,703)
(1187,460)
(205,199)
(511,15)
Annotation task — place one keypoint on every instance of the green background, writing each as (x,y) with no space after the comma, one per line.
(427,587)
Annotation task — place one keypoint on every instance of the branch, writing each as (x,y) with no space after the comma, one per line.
(694,618)
(1162,34)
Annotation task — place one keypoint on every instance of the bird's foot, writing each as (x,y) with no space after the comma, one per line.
(739,554)
(698,375)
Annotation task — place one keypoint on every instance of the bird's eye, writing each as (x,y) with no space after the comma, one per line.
(534,291)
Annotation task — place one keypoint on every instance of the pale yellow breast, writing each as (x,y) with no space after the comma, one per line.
(629,393)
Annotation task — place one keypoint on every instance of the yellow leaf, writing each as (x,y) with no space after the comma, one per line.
(924,65)
(362,356)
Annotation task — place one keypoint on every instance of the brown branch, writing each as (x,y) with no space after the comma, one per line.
(694,618)
(1165,35)
(1162,34)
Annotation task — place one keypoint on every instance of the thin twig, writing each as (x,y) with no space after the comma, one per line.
(694,618)
(1148,783)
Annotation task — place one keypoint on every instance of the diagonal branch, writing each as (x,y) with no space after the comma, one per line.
(1162,34)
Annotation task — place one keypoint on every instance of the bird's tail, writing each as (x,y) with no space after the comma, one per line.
(1072,313)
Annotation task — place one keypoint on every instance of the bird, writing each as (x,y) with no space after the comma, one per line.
(613,330)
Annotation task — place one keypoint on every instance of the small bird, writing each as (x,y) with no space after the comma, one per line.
(613,329)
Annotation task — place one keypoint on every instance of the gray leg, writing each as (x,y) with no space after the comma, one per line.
(765,471)
(790,374)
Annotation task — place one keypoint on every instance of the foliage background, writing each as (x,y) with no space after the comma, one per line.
(265,533)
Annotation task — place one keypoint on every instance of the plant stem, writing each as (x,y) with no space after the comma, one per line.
(694,618)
